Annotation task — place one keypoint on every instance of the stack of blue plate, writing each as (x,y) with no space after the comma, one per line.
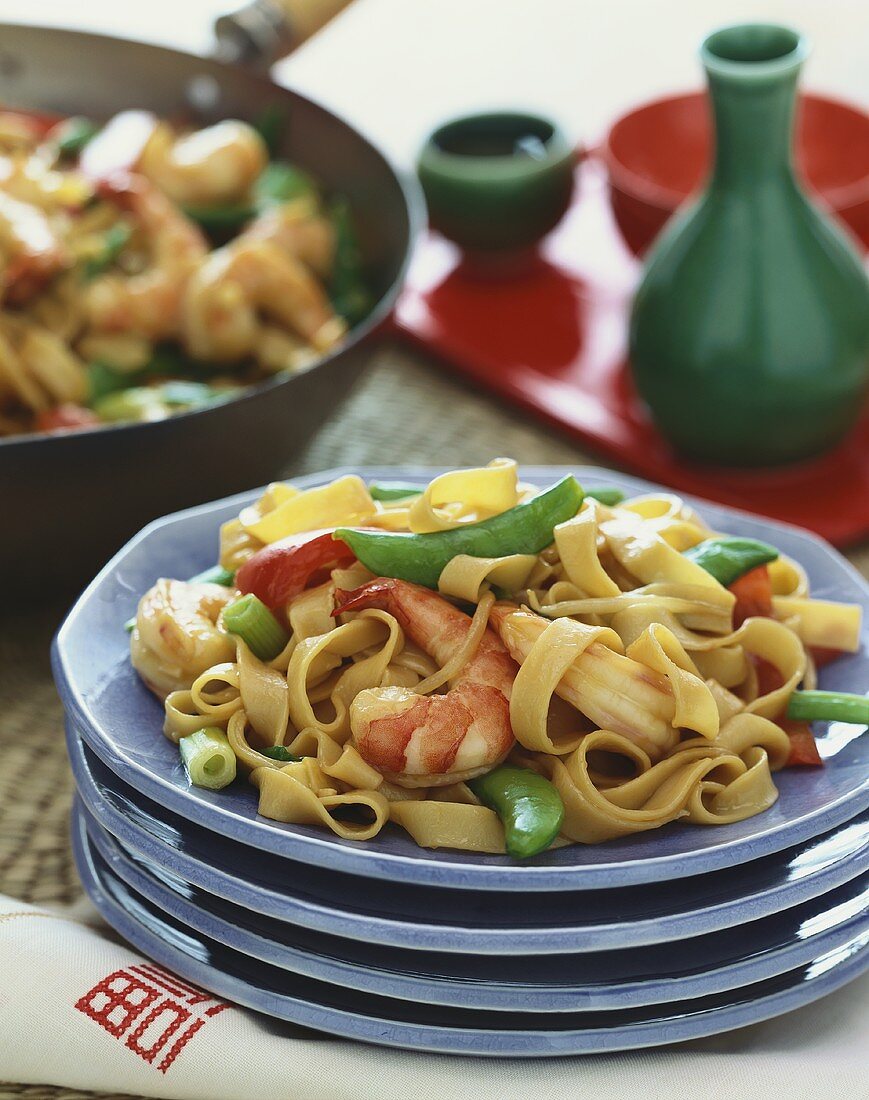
(650,939)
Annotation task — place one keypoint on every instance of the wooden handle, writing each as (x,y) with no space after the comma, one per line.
(306,17)
(265,30)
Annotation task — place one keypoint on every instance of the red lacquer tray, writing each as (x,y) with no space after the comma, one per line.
(551,336)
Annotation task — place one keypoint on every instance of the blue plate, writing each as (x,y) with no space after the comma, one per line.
(653,974)
(433,919)
(121,721)
(386,1021)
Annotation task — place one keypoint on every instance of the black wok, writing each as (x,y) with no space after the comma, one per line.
(68,501)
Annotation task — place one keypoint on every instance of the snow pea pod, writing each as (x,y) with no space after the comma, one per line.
(727,559)
(525,529)
(348,290)
(608,496)
(393,492)
(528,804)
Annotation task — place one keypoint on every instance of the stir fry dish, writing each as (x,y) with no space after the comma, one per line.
(147,268)
(491,666)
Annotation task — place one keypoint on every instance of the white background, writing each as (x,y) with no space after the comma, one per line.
(395,67)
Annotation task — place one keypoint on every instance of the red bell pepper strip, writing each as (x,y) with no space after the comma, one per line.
(753,591)
(804,747)
(282,570)
(822,655)
(768,676)
(66,418)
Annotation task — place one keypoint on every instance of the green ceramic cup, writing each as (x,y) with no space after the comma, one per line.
(496,182)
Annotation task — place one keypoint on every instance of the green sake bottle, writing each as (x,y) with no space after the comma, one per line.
(749,332)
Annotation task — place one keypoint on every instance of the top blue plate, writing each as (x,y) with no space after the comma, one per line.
(121,721)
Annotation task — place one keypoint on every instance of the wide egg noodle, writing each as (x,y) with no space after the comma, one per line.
(466,578)
(266,696)
(306,668)
(435,824)
(657,648)
(552,654)
(465,496)
(291,794)
(576,541)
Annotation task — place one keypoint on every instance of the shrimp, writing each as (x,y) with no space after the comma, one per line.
(237,282)
(177,634)
(210,166)
(299,229)
(147,304)
(31,250)
(617,693)
(431,740)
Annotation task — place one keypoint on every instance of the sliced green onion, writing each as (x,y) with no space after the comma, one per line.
(130,625)
(215,575)
(278,752)
(829,706)
(189,394)
(249,619)
(166,362)
(145,403)
(139,403)
(393,492)
(208,758)
(610,497)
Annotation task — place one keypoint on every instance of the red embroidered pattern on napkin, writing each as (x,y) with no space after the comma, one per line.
(147,1007)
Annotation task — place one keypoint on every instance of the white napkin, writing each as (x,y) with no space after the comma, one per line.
(79,1010)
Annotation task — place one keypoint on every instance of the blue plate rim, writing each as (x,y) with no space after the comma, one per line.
(455,939)
(468,993)
(831,974)
(368,861)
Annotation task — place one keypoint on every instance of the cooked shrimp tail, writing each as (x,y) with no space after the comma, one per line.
(430,740)
(177,635)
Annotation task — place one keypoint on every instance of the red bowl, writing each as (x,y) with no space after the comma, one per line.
(658,154)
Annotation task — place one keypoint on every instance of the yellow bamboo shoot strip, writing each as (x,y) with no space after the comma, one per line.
(345,501)
(821,622)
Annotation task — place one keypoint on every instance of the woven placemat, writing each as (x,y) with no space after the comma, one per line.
(402,412)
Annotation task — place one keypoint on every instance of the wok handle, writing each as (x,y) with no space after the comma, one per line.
(265,30)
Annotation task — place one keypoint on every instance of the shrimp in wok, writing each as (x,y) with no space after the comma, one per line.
(158,254)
